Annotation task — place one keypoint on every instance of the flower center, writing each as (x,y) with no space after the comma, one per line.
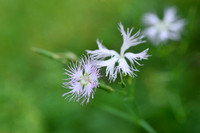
(162,26)
(85,79)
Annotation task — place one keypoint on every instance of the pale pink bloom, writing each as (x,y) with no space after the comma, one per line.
(82,80)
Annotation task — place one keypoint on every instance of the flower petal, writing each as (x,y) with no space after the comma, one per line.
(110,67)
(170,14)
(152,34)
(128,40)
(177,26)
(88,92)
(76,91)
(102,52)
(164,35)
(150,19)
(74,71)
(124,67)
(134,57)
(174,36)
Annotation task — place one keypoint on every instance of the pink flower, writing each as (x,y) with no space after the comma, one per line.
(82,80)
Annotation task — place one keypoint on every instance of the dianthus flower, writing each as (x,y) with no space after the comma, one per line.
(82,80)
(161,30)
(117,63)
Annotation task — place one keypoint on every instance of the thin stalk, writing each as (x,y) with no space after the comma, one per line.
(132,108)
(128,117)
(63,58)
(106,87)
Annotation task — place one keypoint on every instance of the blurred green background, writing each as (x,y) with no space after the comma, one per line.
(167,90)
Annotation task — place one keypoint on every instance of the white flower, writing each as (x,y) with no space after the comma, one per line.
(170,27)
(83,80)
(115,62)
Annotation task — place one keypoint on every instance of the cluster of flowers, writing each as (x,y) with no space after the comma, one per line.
(83,75)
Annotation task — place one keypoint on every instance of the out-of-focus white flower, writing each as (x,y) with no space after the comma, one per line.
(82,80)
(170,27)
(115,62)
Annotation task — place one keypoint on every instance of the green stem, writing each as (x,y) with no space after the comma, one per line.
(177,107)
(106,87)
(131,106)
(129,117)
(146,126)
(63,58)
(122,84)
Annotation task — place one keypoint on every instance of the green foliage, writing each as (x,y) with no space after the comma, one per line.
(166,91)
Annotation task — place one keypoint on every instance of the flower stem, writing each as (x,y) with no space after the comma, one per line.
(122,84)
(132,108)
(129,117)
(106,87)
(60,57)
(146,126)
